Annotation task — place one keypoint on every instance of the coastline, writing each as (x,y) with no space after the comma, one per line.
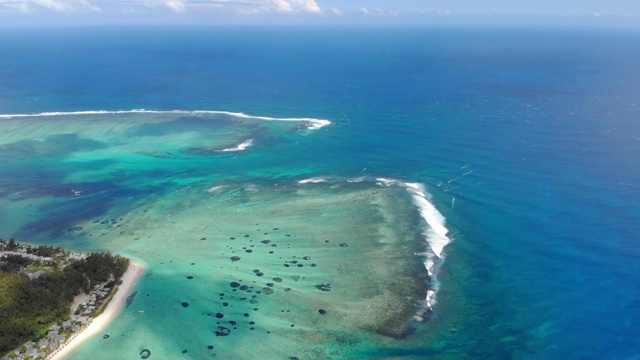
(129,281)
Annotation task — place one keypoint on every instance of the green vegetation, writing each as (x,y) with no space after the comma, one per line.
(28,307)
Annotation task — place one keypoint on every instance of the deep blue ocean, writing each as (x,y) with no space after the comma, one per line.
(535,132)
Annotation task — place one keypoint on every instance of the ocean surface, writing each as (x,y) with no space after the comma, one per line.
(337,193)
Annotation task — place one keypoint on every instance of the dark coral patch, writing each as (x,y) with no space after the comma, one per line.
(223,331)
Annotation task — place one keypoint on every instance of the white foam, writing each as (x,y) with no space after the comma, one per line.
(245,144)
(314,124)
(312,181)
(215,188)
(435,234)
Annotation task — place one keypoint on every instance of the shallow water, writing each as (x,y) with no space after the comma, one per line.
(294,267)
(534,133)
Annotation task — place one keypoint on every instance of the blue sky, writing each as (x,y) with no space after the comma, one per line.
(303,11)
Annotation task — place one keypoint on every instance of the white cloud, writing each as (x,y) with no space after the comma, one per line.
(372,12)
(282,5)
(67,5)
(336,12)
(31,6)
(20,7)
(176,6)
(309,6)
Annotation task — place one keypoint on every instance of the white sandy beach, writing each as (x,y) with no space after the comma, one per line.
(129,281)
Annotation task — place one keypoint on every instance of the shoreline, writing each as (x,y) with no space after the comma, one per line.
(129,281)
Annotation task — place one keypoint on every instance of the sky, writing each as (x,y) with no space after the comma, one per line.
(316,11)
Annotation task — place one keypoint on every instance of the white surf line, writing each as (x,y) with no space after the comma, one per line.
(245,144)
(314,123)
(313,181)
(435,234)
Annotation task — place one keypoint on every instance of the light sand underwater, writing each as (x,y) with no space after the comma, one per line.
(285,266)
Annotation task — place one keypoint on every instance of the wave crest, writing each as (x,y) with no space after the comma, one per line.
(314,124)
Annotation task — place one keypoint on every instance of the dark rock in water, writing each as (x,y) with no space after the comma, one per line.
(344,245)
(76,228)
(276,228)
(286,265)
(223,331)
(225,304)
(189,277)
(300,265)
(260,274)
(287,289)
(295,277)
(203,238)
(267,291)
(271,284)
(210,347)
(235,258)
(248,251)
(232,238)
(244,287)
(185,351)
(307,258)
(324,287)
(252,322)
(185,304)
(322,311)
(294,358)
(234,284)
(314,265)
(246,235)
(246,314)
(219,315)
(265,241)
(277,279)
(105,336)
(130,299)
(253,301)
(233,323)
(145,353)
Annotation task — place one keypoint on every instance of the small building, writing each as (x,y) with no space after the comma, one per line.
(60,339)
(35,275)
(43,343)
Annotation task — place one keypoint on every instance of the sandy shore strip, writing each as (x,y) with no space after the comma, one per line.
(129,281)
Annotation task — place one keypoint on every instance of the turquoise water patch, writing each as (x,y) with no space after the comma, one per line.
(283,266)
